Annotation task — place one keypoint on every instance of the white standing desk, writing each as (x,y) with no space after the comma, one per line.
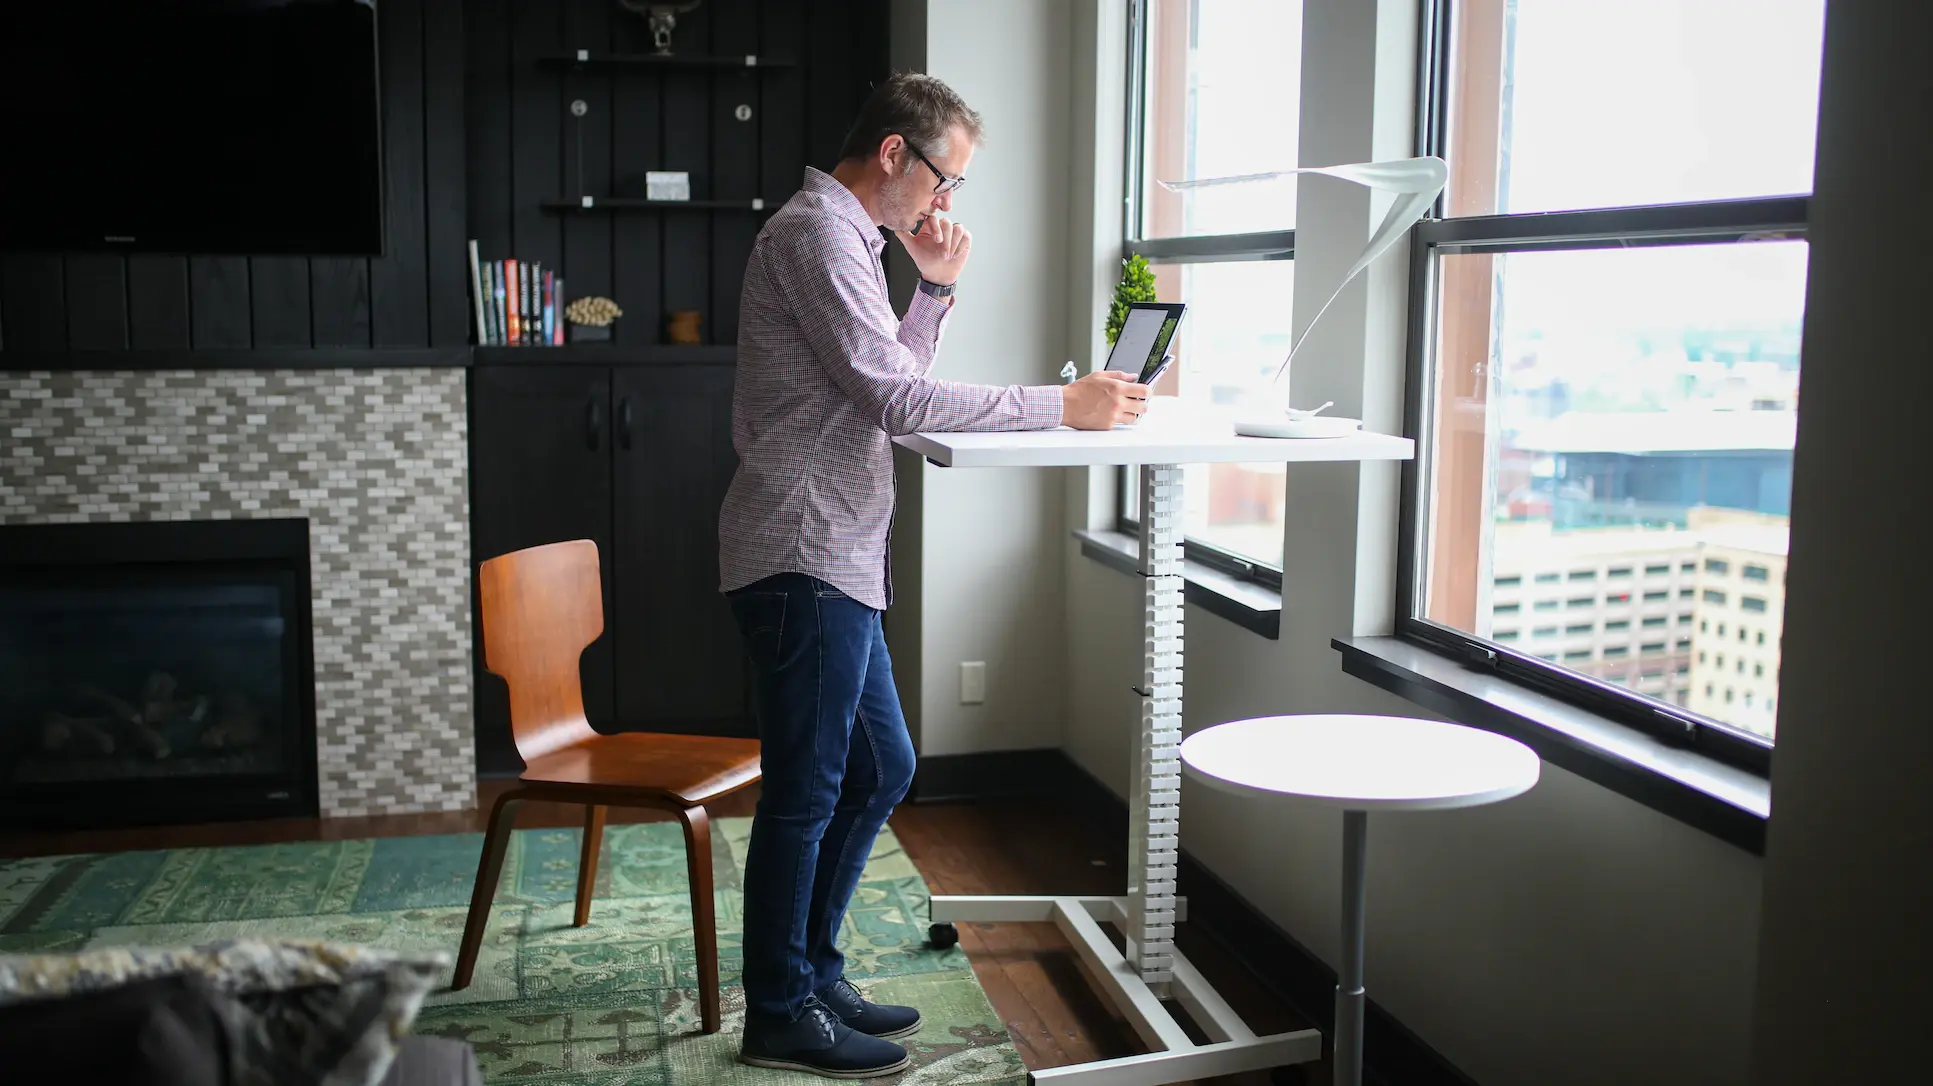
(1151,970)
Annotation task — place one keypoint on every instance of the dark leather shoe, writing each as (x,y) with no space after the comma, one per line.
(870,1018)
(818,1043)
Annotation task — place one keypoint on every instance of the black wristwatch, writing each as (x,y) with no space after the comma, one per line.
(937,290)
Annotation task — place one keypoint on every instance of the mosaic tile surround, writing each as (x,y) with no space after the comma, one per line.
(378,462)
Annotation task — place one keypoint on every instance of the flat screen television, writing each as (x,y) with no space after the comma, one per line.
(190,126)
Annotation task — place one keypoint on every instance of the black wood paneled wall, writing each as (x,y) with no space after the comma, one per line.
(477,134)
(415,295)
(819,59)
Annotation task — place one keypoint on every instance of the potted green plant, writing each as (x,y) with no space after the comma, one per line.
(1136,285)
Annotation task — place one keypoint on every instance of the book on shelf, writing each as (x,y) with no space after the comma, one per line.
(517,303)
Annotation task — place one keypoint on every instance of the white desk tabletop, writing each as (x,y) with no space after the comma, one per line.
(1183,440)
(1361,763)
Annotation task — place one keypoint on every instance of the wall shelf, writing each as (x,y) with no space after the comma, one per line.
(586,58)
(609,354)
(637,203)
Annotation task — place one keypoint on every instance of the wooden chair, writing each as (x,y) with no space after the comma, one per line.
(541,607)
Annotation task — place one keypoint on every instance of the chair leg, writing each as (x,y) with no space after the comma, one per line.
(587,862)
(503,818)
(704,919)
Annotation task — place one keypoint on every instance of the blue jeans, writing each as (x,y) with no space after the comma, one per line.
(835,757)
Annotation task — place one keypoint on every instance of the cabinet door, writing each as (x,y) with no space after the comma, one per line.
(540,472)
(680,661)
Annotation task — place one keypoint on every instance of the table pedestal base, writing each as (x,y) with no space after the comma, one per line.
(1349,987)
(1174,1057)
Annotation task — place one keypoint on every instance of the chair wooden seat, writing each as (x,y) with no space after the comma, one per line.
(541,607)
(689,769)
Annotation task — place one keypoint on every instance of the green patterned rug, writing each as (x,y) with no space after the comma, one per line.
(611,1004)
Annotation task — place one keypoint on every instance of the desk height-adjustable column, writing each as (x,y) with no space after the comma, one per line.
(1155,804)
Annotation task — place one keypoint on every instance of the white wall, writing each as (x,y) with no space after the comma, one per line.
(1569,936)
(1848,941)
(982,548)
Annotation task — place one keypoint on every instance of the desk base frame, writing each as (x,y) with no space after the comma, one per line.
(1151,970)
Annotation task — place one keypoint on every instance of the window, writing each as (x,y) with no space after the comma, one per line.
(1655,621)
(1511,581)
(1583,575)
(1741,635)
(1754,604)
(1194,78)
(1544,631)
(1741,666)
(1612,652)
(1580,628)
(1758,671)
(1619,572)
(1652,648)
(1719,659)
(1704,625)
(1607,309)
(1504,635)
(1578,654)
(1617,624)
(1683,644)
(1657,571)
(1548,578)
(1701,657)
(1761,637)
(1653,597)
(1507,608)
(1748,699)
(1576,602)
(1544,605)
(1721,629)
(1684,620)
(1755,572)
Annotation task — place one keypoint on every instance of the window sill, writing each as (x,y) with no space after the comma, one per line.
(1248,605)
(1729,803)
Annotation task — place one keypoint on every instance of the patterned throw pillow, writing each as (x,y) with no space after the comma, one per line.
(296,1013)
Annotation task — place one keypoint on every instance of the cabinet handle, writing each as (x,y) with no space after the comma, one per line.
(593,423)
(624,423)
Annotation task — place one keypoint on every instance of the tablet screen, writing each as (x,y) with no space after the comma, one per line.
(1144,339)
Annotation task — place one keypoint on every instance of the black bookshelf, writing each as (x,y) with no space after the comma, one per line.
(588,58)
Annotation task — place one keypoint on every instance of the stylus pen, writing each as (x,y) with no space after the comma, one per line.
(916,227)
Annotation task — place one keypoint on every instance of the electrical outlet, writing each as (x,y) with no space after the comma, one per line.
(973,682)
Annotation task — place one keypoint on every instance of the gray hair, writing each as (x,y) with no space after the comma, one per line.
(918,108)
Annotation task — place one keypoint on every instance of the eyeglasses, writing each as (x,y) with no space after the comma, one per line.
(947,184)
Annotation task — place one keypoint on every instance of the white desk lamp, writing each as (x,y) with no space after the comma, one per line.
(1417,182)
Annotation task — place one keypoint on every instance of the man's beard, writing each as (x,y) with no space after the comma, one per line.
(900,202)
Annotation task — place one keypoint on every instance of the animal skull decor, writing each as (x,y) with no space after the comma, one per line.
(662,18)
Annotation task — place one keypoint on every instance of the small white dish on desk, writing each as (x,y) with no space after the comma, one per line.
(1292,426)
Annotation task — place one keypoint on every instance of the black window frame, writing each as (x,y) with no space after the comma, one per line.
(1704,222)
(1189,249)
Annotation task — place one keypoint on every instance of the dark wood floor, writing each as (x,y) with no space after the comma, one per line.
(1029,971)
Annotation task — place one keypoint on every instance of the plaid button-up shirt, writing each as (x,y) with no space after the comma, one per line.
(827,376)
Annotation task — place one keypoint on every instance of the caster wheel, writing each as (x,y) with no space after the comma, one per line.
(943,936)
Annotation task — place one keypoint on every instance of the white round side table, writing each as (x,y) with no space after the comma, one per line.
(1359,764)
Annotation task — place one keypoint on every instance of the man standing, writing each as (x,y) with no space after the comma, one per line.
(827,375)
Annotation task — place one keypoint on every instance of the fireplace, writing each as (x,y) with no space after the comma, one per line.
(155,672)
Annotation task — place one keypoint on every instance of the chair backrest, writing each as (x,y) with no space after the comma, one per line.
(541,607)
